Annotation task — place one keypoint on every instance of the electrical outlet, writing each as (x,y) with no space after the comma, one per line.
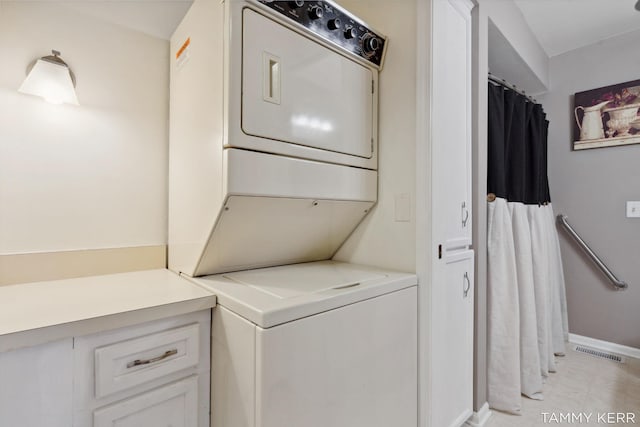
(633,209)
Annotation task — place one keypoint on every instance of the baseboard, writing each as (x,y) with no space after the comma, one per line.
(479,418)
(605,346)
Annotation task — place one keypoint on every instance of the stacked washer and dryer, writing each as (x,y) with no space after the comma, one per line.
(273,163)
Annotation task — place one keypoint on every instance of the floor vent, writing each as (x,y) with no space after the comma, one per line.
(598,353)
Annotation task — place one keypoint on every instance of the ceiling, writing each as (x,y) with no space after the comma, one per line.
(158,18)
(564,25)
(559,25)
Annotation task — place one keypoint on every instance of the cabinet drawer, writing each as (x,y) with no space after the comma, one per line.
(171,405)
(128,363)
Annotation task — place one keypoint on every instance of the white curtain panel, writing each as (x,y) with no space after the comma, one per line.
(503,308)
(559,323)
(541,280)
(531,381)
(527,317)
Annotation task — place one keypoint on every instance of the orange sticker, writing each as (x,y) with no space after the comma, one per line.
(185,45)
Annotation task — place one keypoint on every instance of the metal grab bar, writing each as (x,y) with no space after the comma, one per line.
(618,284)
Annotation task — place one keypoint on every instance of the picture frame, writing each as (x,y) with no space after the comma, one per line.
(607,116)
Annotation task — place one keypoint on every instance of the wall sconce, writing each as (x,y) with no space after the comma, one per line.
(52,79)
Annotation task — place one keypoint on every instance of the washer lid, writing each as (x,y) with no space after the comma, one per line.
(276,295)
(300,279)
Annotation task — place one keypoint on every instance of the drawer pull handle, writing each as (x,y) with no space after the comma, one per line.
(139,362)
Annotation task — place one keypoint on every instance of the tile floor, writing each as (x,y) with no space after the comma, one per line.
(582,384)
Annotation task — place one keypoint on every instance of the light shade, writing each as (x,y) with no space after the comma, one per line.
(51,79)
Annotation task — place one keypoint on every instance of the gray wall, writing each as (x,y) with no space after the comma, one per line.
(591,188)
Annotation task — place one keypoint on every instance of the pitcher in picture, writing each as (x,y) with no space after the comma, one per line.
(591,126)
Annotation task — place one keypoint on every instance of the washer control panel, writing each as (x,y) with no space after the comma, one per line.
(334,24)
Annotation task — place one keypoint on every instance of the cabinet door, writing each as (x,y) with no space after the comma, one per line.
(36,385)
(451,349)
(451,122)
(174,405)
(453,343)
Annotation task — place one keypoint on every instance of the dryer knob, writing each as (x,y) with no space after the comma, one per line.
(370,44)
(316,12)
(350,33)
(296,4)
(334,24)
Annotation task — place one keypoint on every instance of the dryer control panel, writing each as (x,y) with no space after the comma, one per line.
(336,25)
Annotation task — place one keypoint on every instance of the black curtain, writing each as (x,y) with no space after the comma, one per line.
(526,302)
(517,164)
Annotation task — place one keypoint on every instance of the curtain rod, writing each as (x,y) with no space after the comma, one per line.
(504,83)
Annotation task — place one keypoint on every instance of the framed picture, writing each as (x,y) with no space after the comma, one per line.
(607,116)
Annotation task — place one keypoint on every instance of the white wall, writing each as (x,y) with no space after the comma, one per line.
(381,240)
(92,176)
(591,188)
(508,19)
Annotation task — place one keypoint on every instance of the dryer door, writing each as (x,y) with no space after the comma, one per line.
(297,91)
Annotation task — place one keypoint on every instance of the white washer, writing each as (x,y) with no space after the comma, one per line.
(320,344)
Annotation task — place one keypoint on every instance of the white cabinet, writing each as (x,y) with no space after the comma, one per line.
(36,385)
(452,305)
(174,405)
(453,352)
(156,373)
(451,125)
(149,374)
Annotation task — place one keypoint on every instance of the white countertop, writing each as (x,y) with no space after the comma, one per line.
(38,312)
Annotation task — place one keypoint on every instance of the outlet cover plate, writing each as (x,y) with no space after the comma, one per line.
(633,209)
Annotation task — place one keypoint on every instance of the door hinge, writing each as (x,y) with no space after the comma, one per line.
(371,146)
(439,251)
(372,86)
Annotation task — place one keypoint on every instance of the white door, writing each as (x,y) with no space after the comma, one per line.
(173,405)
(453,343)
(296,91)
(36,386)
(452,322)
(451,132)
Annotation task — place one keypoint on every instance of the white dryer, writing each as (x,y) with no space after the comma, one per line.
(273,152)
(319,344)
